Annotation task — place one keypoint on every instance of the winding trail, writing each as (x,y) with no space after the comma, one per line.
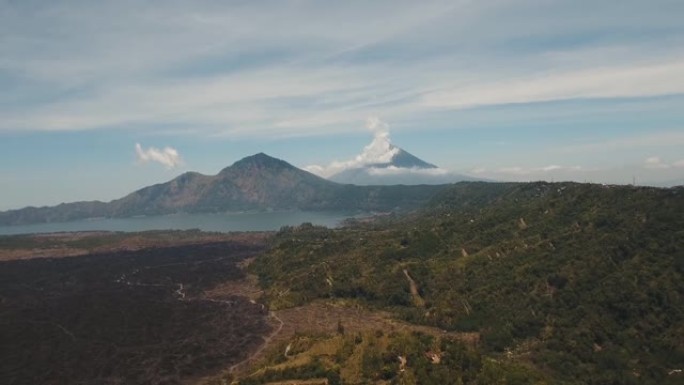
(417,299)
(180,291)
(267,341)
(183,296)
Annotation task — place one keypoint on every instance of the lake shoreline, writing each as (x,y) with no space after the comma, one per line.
(209,222)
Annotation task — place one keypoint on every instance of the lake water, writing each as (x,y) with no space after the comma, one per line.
(224,222)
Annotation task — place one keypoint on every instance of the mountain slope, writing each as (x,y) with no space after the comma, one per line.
(257,182)
(265,182)
(583,282)
(404,159)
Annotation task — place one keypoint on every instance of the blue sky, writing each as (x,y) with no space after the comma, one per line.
(510,90)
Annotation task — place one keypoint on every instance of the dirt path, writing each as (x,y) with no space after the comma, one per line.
(313,381)
(323,317)
(267,343)
(319,317)
(417,299)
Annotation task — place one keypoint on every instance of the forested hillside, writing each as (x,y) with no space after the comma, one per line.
(579,283)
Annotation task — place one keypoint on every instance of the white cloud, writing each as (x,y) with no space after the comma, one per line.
(655,162)
(167,156)
(306,68)
(393,170)
(379,151)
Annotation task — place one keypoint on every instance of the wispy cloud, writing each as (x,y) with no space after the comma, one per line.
(652,171)
(525,171)
(655,162)
(667,138)
(393,170)
(167,156)
(612,82)
(221,69)
(559,85)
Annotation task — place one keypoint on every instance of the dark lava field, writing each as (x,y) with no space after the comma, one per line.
(125,317)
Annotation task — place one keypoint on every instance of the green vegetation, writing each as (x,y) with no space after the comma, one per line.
(393,358)
(583,283)
(535,283)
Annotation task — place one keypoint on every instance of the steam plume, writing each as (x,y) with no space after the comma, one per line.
(168,156)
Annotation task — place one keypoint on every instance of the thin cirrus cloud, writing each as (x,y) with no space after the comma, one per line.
(614,82)
(562,83)
(666,138)
(300,68)
(168,156)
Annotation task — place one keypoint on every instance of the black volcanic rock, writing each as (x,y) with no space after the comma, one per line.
(257,182)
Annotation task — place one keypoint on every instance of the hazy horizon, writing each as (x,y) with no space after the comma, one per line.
(101,99)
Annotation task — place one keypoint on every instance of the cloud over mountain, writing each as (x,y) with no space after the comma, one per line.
(379,151)
(381,162)
(168,156)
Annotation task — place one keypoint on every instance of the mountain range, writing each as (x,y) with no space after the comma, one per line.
(257,182)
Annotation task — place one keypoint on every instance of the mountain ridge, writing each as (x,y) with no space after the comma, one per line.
(256,182)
